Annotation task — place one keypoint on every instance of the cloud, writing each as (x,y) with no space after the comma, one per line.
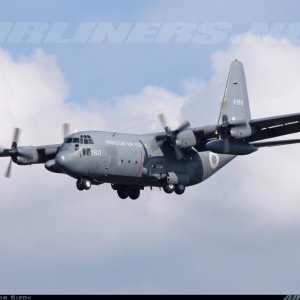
(234,233)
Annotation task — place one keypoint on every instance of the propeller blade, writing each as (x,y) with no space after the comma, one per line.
(153,144)
(157,142)
(159,138)
(178,153)
(183,126)
(15,138)
(66,129)
(163,122)
(4,152)
(8,170)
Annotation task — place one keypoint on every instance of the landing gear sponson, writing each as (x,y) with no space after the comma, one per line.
(131,192)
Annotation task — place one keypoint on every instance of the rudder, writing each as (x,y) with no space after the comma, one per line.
(235,107)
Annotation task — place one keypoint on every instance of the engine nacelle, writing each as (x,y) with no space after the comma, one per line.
(173,178)
(27,156)
(51,150)
(186,139)
(52,167)
(241,132)
(230,147)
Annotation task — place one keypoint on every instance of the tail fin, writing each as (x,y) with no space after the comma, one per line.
(235,105)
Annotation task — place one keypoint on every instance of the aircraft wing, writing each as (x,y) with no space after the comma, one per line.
(48,151)
(271,127)
(44,153)
(264,128)
(275,143)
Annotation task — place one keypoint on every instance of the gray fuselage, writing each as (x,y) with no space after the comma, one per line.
(130,159)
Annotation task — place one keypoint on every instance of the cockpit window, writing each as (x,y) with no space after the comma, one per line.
(84,139)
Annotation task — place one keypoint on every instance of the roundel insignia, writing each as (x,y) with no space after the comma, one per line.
(214,160)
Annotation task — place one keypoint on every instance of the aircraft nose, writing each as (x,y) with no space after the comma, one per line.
(61,159)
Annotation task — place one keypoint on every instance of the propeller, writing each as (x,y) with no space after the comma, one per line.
(66,129)
(12,152)
(171,135)
(222,130)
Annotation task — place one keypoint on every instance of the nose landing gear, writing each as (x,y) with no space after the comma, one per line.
(83,184)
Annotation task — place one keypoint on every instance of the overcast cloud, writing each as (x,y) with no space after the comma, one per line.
(238,232)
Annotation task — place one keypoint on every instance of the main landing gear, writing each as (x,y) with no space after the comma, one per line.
(83,184)
(124,192)
(179,189)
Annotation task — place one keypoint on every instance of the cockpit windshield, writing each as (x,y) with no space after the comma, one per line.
(84,139)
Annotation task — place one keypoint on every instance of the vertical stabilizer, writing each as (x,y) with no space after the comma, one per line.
(235,105)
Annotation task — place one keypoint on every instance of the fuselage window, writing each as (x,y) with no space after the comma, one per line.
(76,140)
(76,147)
(86,151)
(86,141)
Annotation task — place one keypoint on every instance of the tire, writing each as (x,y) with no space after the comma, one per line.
(134,194)
(86,184)
(179,189)
(122,192)
(169,188)
(79,185)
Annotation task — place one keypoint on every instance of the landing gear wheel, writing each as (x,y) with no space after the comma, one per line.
(134,194)
(79,185)
(123,192)
(169,188)
(179,189)
(83,184)
(86,184)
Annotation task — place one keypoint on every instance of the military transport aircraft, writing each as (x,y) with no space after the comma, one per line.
(172,160)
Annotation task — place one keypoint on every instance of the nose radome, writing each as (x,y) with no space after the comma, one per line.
(61,159)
